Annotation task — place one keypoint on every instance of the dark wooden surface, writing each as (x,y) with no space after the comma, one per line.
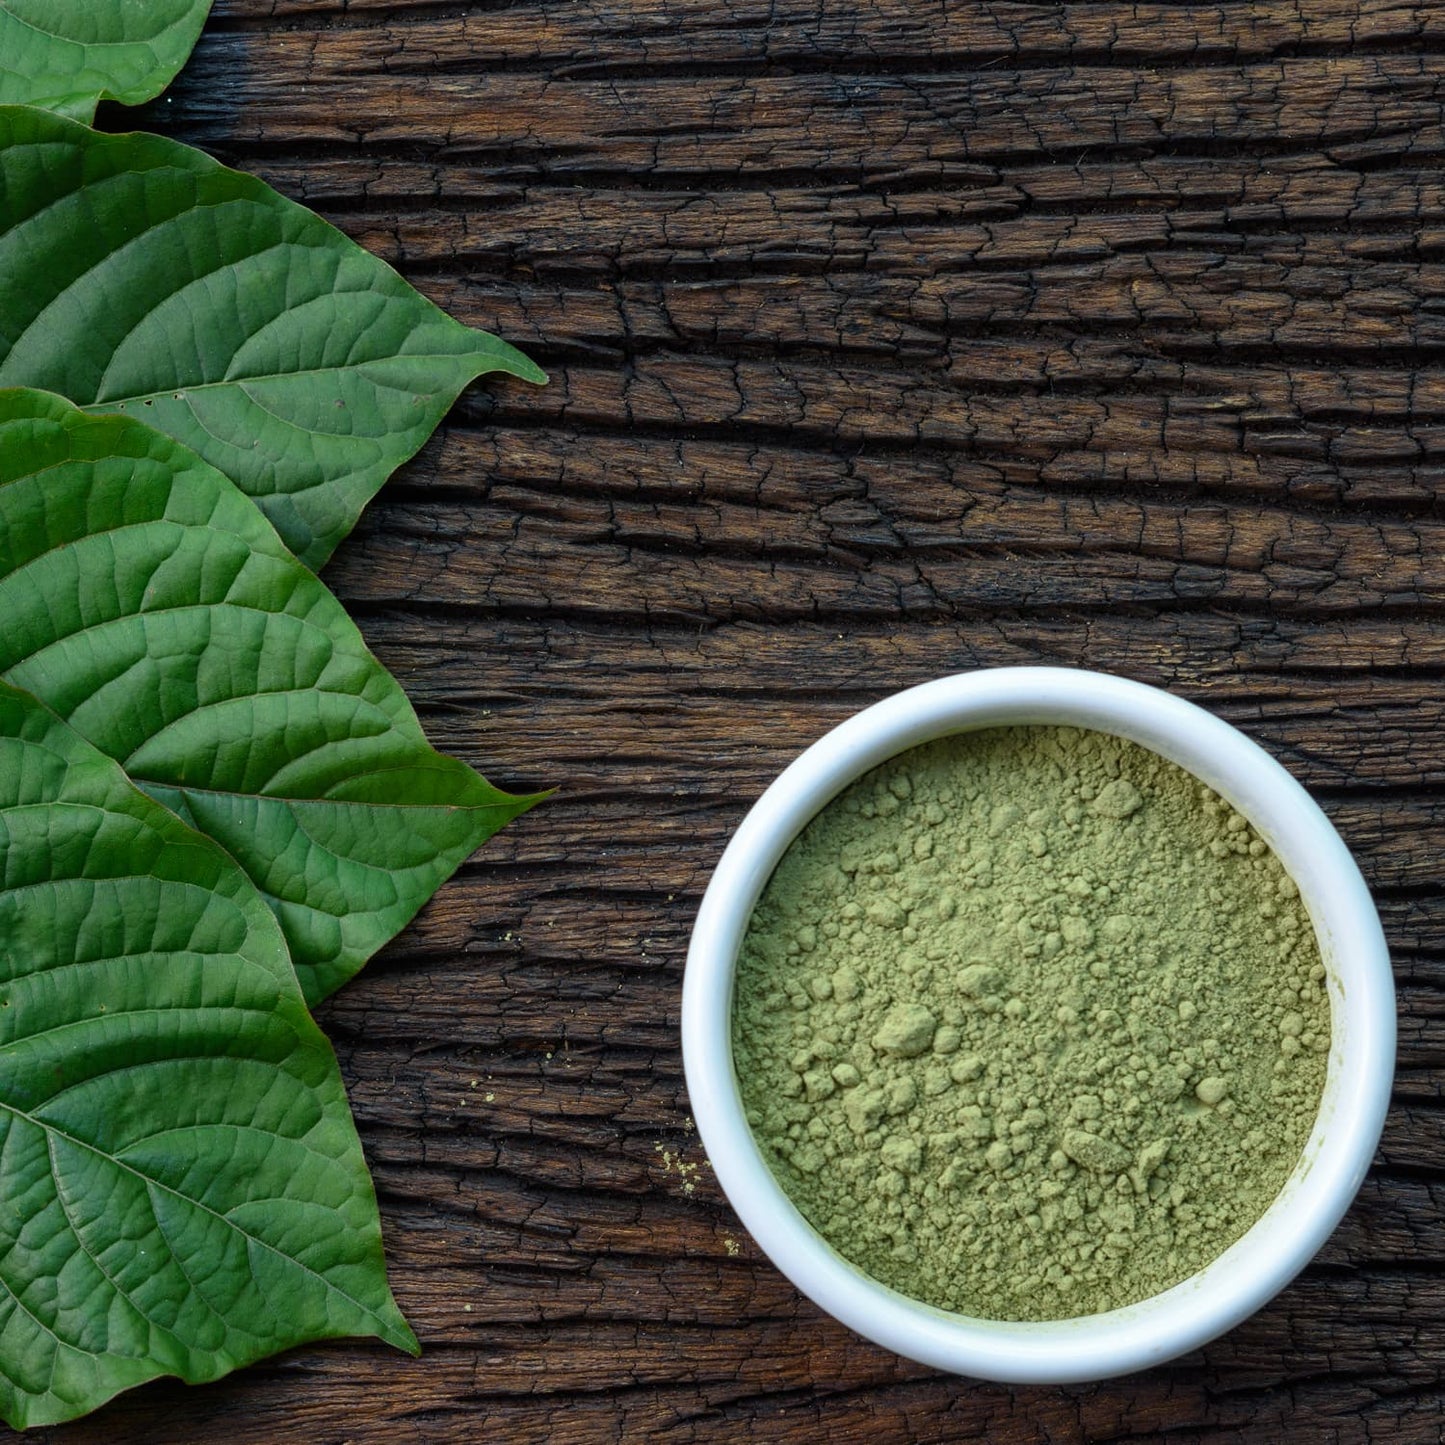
(888,338)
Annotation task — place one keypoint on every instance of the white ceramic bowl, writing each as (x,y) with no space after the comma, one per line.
(1362,1014)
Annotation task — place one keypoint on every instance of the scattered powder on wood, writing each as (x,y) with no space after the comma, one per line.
(1030,1024)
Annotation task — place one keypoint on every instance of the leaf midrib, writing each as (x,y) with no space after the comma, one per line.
(241,382)
(185,789)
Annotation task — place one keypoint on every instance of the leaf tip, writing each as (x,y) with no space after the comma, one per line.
(398,1333)
(513,805)
(528,370)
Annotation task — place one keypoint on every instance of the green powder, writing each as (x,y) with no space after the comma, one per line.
(1029,1023)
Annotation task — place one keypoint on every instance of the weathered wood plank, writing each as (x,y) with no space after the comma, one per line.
(841,129)
(1291,434)
(587,37)
(447,210)
(877,540)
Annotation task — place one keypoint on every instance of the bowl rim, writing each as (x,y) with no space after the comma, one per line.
(1359,1073)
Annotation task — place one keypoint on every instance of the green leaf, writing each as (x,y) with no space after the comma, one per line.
(151,606)
(138,275)
(181,1186)
(67,55)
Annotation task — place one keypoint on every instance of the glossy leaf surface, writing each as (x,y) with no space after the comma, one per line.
(138,275)
(150,604)
(67,55)
(181,1187)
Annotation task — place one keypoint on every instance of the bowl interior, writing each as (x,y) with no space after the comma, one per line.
(1359,1070)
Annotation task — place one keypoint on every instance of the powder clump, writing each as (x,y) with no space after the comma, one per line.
(906,1031)
(1030,1023)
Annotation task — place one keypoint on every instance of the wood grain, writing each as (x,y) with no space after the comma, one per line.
(886,340)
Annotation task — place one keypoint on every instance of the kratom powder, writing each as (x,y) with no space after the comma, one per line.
(1029,1023)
